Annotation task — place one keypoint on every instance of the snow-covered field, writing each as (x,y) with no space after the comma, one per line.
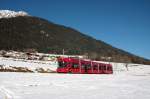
(30,64)
(132,84)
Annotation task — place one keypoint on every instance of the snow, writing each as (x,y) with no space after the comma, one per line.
(30,64)
(10,14)
(123,84)
(36,62)
(52,65)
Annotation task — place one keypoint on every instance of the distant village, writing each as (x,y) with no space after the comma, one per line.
(34,55)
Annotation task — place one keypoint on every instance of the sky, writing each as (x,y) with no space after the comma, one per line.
(124,24)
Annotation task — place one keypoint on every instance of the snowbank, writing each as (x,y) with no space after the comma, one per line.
(32,65)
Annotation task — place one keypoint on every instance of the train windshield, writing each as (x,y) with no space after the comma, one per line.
(62,64)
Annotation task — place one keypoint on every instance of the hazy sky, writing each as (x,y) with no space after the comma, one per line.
(124,24)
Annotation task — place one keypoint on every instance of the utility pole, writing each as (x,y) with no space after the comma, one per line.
(80,65)
(109,58)
(63,51)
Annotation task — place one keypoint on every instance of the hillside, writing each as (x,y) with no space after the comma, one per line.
(26,32)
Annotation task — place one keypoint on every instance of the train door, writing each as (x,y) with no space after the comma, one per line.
(85,66)
(75,66)
(89,67)
(95,68)
(109,69)
(100,68)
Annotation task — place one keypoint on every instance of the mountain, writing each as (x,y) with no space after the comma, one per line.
(23,32)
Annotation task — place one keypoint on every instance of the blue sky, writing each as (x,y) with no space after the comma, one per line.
(124,24)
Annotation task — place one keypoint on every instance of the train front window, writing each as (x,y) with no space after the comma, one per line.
(62,64)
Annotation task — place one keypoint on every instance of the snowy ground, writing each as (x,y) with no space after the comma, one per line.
(132,84)
(30,64)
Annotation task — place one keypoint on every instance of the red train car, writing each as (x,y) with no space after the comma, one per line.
(73,65)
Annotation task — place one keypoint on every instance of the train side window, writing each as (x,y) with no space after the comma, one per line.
(88,66)
(95,67)
(75,65)
(100,67)
(104,67)
(109,68)
(82,66)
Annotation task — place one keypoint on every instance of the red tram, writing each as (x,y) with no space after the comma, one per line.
(73,65)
